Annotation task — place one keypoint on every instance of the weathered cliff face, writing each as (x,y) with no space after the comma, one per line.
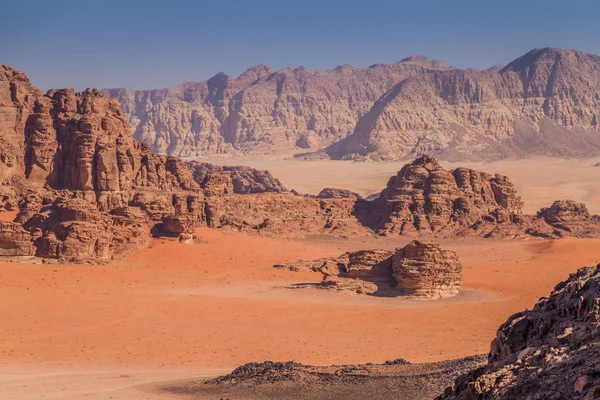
(425,198)
(81,142)
(546,102)
(16,103)
(550,352)
(284,214)
(571,217)
(262,110)
(244,179)
(86,190)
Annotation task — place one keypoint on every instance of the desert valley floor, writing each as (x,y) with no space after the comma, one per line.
(177,311)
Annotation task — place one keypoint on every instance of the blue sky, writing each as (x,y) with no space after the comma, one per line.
(152,44)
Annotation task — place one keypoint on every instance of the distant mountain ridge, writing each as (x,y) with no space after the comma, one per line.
(262,110)
(546,102)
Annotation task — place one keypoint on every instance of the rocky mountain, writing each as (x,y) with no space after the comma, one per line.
(244,179)
(550,352)
(424,198)
(546,102)
(261,110)
(87,191)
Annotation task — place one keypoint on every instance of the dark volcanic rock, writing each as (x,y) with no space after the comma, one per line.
(550,352)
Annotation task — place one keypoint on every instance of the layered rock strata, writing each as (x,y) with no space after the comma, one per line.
(425,270)
(424,198)
(417,270)
(545,102)
(262,110)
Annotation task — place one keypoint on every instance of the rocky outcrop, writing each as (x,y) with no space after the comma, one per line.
(17,96)
(244,179)
(14,240)
(86,190)
(284,214)
(550,352)
(335,193)
(417,270)
(74,230)
(393,379)
(424,270)
(262,110)
(217,185)
(545,102)
(424,198)
(571,217)
(81,142)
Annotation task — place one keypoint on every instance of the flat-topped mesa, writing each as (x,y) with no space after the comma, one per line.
(424,270)
(425,198)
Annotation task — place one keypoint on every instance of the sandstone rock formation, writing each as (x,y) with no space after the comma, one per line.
(417,270)
(285,214)
(87,191)
(424,198)
(425,270)
(14,240)
(261,110)
(545,102)
(76,230)
(244,179)
(571,217)
(550,352)
(335,193)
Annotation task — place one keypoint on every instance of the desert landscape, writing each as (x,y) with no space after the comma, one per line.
(404,230)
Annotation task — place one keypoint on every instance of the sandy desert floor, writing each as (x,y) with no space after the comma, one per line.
(177,311)
(539,180)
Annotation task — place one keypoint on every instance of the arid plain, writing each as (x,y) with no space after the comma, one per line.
(176,311)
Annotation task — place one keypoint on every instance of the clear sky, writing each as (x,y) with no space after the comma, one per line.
(153,44)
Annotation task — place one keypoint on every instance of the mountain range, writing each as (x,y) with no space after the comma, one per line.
(545,102)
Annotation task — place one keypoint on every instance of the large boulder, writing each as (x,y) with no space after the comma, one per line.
(424,270)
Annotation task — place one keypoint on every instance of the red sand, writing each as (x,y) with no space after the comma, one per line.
(216,305)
